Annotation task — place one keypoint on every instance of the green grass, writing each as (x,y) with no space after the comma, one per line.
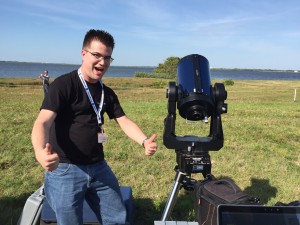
(261,150)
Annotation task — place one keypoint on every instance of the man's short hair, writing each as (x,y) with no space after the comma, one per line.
(99,35)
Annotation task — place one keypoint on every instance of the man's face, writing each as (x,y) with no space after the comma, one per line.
(95,61)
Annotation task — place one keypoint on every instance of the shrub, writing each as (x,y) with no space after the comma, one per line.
(229,82)
(152,75)
(141,74)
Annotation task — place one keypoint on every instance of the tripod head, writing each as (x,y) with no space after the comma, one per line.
(196,100)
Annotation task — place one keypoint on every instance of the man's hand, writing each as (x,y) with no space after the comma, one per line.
(150,145)
(48,158)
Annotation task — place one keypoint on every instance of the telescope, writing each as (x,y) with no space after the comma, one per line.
(195,99)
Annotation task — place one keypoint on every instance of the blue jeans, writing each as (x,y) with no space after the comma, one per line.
(68,186)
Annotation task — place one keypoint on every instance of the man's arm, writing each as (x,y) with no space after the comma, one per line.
(40,137)
(135,133)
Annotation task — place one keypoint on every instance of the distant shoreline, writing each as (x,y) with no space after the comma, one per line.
(219,69)
(256,70)
(72,64)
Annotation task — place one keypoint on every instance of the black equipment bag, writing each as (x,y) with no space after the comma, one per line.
(211,192)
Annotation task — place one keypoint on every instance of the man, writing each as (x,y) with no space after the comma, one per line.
(67,137)
(45,78)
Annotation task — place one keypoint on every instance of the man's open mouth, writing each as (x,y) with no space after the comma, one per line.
(99,69)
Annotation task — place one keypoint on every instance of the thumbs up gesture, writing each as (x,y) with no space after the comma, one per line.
(150,145)
(50,158)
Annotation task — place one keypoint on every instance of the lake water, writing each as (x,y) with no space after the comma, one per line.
(32,70)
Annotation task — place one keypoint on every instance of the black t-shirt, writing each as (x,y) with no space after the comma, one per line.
(74,132)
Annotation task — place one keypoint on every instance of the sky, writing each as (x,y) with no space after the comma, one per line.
(246,34)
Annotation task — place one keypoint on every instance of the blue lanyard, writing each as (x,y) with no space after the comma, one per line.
(86,88)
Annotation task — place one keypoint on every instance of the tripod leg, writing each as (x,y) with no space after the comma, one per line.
(173,195)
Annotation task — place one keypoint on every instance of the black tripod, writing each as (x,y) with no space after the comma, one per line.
(187,164)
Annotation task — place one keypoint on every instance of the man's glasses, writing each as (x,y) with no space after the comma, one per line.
(107,59)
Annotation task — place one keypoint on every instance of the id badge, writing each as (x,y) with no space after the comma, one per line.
(102,137)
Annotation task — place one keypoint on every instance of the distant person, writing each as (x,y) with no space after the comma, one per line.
(68,138)
(45,77)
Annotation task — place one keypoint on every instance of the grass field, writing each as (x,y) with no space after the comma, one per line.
(261,150)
